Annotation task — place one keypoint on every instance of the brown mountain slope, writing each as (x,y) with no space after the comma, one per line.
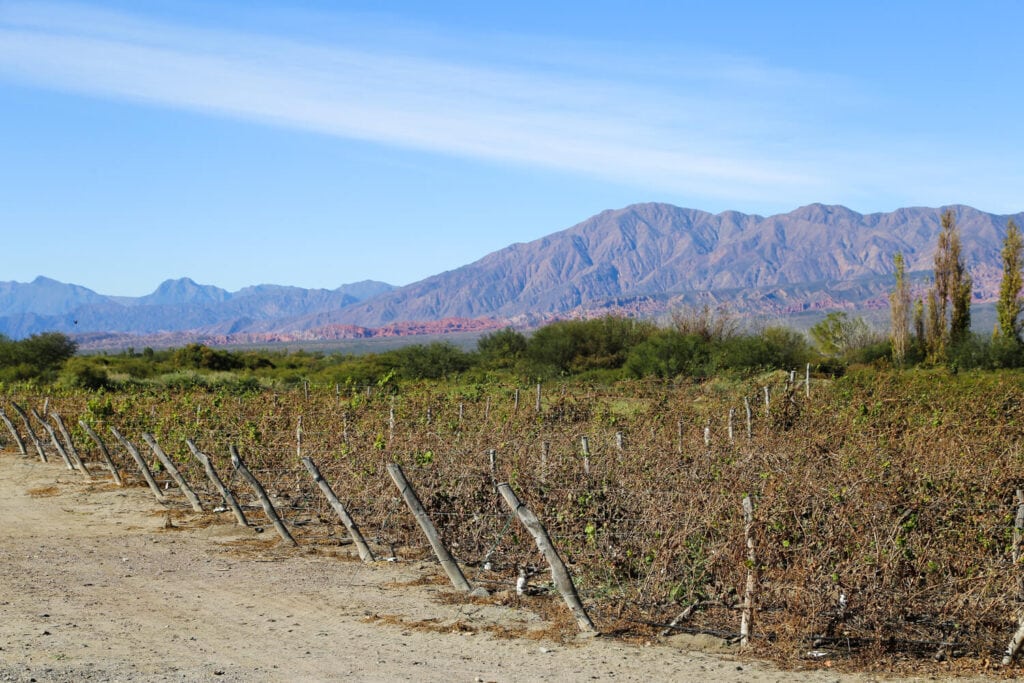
(645,255)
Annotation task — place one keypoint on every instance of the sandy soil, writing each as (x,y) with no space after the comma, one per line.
(93,587)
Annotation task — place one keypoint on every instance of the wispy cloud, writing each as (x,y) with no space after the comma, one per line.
(716,126)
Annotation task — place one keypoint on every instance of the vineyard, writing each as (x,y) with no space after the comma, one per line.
(885,521)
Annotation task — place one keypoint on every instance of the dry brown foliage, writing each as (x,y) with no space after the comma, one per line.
(884,504)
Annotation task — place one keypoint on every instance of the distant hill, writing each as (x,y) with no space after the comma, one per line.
(643,259)
(176,306)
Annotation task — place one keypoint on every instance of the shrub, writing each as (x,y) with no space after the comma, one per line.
(667,354)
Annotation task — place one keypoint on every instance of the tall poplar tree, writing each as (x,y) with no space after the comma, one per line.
(1008,308)
(949,300)
(899,306)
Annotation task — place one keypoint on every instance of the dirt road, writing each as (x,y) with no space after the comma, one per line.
(93,587)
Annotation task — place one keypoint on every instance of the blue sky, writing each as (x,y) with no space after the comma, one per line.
(321,143)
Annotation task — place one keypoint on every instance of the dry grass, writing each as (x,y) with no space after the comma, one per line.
(43,492)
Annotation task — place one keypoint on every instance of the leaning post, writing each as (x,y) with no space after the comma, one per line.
(365,554)
(172,470)
(448,563)
(558,571)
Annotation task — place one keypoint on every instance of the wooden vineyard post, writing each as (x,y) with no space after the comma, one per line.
(365,554)
(585,447)
(31,432)
(1018,526)
(103,452)
(14,432)
(261,493)
(732,415)
(747,614)
(298,438)
(767,399)
(536,405)
(679,434)
(492,455)
(618,442)
(172,470)
(448,563)
(750,425)
(707,434)
(461,413)
(1018,535)
(563,582)
(143,467)
(807,381)
(66,435)
(1015,643)
(56,443)
(225,492)
(545,453)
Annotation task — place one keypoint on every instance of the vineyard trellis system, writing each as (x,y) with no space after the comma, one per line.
(852,520)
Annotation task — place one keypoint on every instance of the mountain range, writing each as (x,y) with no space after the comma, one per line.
(644,259)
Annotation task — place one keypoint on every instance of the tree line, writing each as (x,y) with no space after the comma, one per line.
(935,328)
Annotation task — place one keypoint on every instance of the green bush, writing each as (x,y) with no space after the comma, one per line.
(667,354)
(502,349)
(574,346)
(85,373)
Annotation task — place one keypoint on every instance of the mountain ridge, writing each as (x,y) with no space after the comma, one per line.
(642,259)
(647,249)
